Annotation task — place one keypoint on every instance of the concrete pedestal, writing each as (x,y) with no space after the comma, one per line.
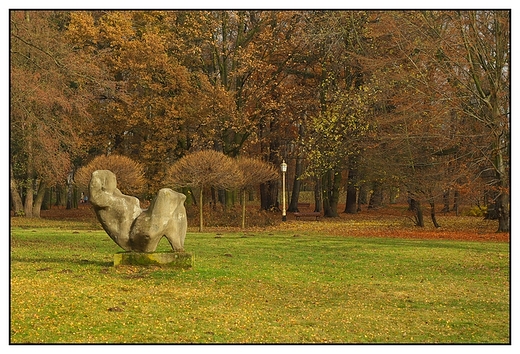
(179,260)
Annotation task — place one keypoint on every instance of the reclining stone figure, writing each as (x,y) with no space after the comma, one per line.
(131,227)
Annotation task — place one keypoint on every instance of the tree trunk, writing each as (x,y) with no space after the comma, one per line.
(376,199)
(58,196)
(446,200)
(491,204)
(269,190)
(230,199)
(46,203)
(330,185)
(325,186)
(243,208)
(222,197)
(504,219)
(15,195)
(362,196)
(29,198)
(269,195)
(336,185)
(75,197)
(37,206)
(318,200)
(215,198)
(69,190)
(29,191)
(351,201)
(393,194)
(502,210)
(415,206)
(295,195)
(456,202)
(201,222)
(52,192)
(502,201)
(432,212)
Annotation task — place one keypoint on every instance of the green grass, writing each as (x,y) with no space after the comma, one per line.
(262,287)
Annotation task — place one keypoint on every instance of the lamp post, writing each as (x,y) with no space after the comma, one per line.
(284,170)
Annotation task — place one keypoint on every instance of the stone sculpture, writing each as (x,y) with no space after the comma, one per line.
(131,227)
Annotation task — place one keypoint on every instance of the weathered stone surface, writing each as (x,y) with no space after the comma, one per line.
(166,216)
(180,260)
(115,211)
(132,228)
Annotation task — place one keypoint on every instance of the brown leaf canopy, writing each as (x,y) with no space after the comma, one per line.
(206,168)
(255,171)
(129,174)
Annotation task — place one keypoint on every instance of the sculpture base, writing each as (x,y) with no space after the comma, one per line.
(179,260)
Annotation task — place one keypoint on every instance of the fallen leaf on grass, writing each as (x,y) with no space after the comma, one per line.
(115,309)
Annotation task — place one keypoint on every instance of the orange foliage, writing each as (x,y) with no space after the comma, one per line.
(155,85)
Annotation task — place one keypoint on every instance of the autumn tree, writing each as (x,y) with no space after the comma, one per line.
(204,169)
(409,113)
(286,101)
(151,106)
(229,57)
(130,174)
(249,57)
(410,101)
(341,101)
(254,172)
(336,136)
(485,56)
(443,86)
(175,80)
(49,92)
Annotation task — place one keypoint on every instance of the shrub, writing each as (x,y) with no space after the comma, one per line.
(129,174)
(254,172)
(203,169)
(476,211)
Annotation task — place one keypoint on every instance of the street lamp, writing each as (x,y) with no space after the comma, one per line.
(284,170)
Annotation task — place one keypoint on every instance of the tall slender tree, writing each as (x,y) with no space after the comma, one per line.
(49,93)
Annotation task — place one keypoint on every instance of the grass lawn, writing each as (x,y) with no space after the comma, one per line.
(267,286)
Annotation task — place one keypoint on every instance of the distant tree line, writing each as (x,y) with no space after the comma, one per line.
(373,102)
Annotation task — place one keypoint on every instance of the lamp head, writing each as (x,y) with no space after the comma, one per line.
(283,166)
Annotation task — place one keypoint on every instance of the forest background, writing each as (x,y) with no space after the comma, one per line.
(382,104)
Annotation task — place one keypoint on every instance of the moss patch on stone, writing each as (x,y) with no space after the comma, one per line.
(179,260)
